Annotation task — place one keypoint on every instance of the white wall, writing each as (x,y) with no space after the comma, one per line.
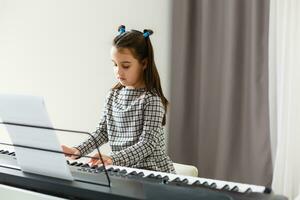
(59,49)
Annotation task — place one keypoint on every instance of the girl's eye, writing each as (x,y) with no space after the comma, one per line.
(126,67)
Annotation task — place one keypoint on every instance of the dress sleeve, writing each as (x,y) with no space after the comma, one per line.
(152,124)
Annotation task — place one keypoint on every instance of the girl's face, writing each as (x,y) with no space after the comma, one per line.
(128,70)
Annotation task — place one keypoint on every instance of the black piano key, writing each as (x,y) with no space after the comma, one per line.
(179,181)
(79,164)
(141,174)
(225,187)
(235,189)
(73,163)
(185,181)
(109,169)
(1,151)
(123,172)
(112,172)
(94,167)
(133,173)
(11,153)
(5,152)
(158,176)
(205,183)
(85,165)
(136,175)
(150,176)
(165,178)
(68,162)
(176,180)
(116,170)
(268,190)
(196,183)
(213,185)
(249,190)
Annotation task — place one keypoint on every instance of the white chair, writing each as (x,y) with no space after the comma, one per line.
(186,170)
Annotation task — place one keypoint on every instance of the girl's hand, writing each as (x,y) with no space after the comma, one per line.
(97,161)
(70,152)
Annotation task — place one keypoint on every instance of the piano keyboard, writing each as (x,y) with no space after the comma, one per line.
(168,178)
(194,181)
(131,180)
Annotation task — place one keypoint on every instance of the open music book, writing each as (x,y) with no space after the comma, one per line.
(25,109)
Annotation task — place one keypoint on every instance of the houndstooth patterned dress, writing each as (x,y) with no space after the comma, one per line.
(132,124)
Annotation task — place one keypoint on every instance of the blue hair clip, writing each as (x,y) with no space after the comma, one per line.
(146,34)
(122,30)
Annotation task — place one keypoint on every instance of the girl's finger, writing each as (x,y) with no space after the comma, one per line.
(96,163)
(92,161)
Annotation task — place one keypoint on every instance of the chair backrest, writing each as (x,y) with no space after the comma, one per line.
(186,170)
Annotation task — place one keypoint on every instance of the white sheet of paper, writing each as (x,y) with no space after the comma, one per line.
(26,109)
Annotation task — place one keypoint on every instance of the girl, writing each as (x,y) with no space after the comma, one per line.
(135,109)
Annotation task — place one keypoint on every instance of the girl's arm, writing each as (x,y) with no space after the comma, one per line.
(153,116)
(100,136)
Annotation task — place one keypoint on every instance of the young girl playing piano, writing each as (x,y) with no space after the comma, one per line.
(135,109)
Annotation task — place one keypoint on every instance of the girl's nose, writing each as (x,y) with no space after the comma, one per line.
(118,70)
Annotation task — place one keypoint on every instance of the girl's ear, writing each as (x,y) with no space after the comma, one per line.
(145,63)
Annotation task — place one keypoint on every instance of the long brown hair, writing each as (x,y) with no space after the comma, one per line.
(141,49)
